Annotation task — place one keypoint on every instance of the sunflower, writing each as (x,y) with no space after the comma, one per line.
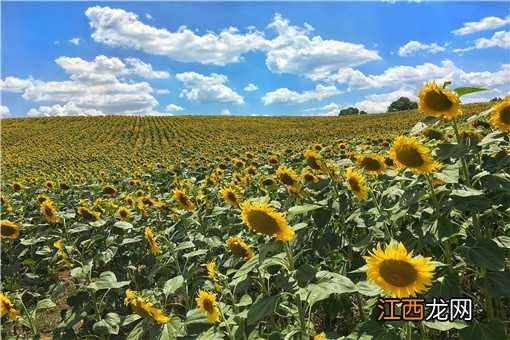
(314,161)
(239,248)
(438,102)
(129,200)
(397,272)
(308,176)
(264,219)
(62,253)
(273,159)
(408,152)
(373,164)
(48,211)
(288,177)
(9,230)
(124,213)
(501,115)
(230,194)
(7,307)
(49,184)
(183,200)
(268,182)
(212,274)
(149,236)
(433,133)
(16,186)
(356,184)
(89,214)
(206,302)
(109,190)
(144,308)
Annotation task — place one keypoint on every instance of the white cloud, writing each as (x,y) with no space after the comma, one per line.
(212,88)
(294,51)
(75,41)
(4,111)
(484,24)
(173,108)
(94,87)
(499,39)
(376,103)
(162,91)
(251,87)
(226,112)
(148,16)
(144,70)
(68,109)
(414,46)
(284,95)
(331,109)
(117,27)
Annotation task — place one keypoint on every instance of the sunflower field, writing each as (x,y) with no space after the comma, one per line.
(255,227)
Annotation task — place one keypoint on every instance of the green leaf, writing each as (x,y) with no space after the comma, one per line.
(195,316)
(137,332)
(305,274)
(302,209)
(328,283)
(461,91)
(195,253)
(45,304)
(123,225)
(446,151)
(244,301)
(247,267)
(81,272)
(497,283)
(484,253)
(489,330)
(261,308)
(445,325)
(109,325)
(172,285)
(368,288)
(446,84)
(107,280)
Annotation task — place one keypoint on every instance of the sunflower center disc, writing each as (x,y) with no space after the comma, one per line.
(208,306)
(370,164)
(353,182)
(398,273)
(438,101)
(262,222)
(505,115)
(7,231)
(410,158)
(286,179)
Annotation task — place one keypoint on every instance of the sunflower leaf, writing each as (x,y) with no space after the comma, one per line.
(461,91)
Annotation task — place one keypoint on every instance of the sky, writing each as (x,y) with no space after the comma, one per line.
(239,58)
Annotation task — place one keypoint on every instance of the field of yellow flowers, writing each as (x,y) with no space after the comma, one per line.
(257,228)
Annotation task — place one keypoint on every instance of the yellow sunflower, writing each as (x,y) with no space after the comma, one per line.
(212,274)
(438,102)
(48,211)
(124,213)
(144,308)
(89,214)
(500,116)
(239,248)
(373,164)
(149,236)
(183,200)
(397,272)
(356,184)
(308,176)
(62,253)
(262,218)
(314,161)
(409,153)
(289,178)
(7,307)
(230,194)
(206,302)
(16,186)
(9,230)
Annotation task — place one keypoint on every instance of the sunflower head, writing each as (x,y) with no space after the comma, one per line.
(230,194)
(313,160)
(49,184)
(109,190)
(238,247)
(144,308)
(409,153)
(149,236)
(124,213)
(183,200)
(206,302)
(286,176)
(356,184)
(89,214)
(7,307)
(500,116)
(262,218)
(438,102)
(48,211)
(373,164)
(9,230)
(16,186)
(397,272)
(308,176)
(433,133)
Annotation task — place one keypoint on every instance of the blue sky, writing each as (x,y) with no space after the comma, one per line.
(200,58)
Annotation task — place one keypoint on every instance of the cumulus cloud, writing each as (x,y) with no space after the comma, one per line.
(226,112)
(144,70)
(499,39)
(295,51)
(484,24)
(4,111)
(414,46)
(117,27)
(207,89)
(162,91)
(173,108)
(251,87)
(284,95)
(376,103)
(75,41)
(94,87)
(331,109)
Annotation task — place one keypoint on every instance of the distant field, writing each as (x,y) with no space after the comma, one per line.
(120,145)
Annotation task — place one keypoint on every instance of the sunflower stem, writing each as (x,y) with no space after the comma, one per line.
(229,330)
(387,223)
(301,312)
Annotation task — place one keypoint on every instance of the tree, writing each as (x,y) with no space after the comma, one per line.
(349,111)
(402,103)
